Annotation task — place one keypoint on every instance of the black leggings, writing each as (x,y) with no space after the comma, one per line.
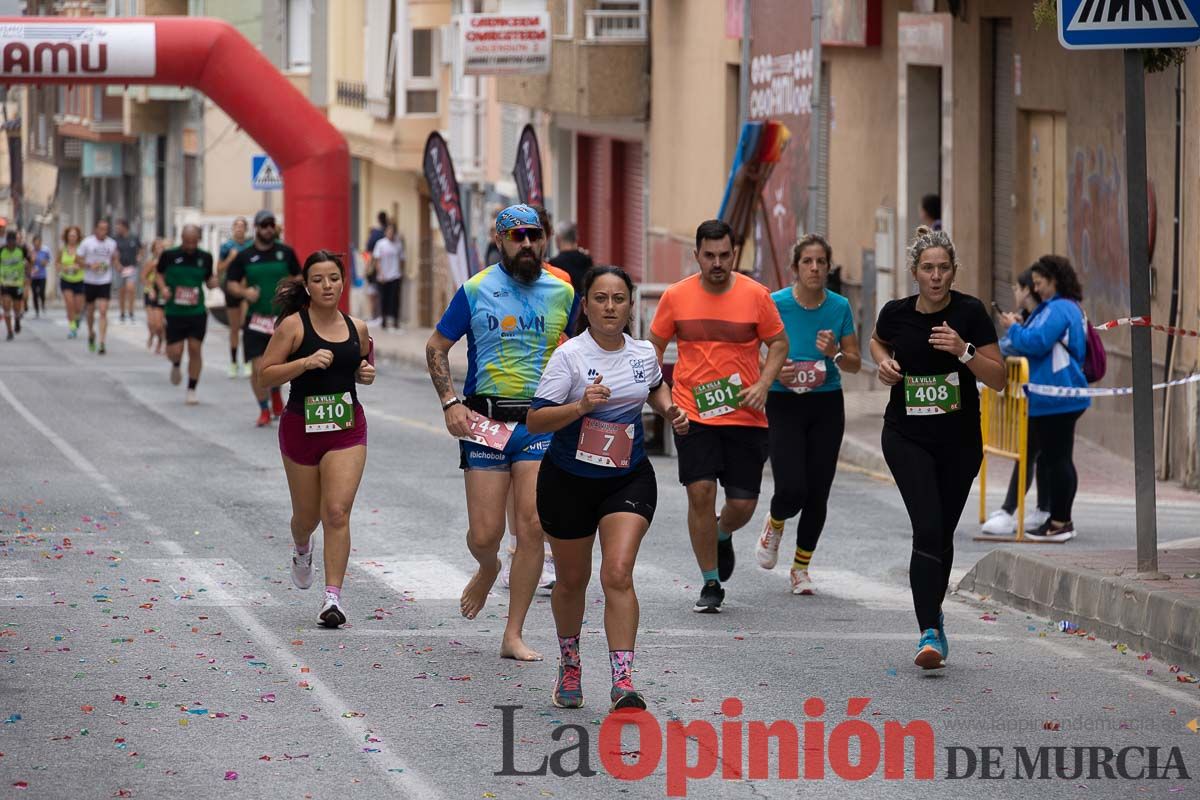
(1043,492)
(389,301)
(1056,463)
(934,480)
(805,434)
(38,290)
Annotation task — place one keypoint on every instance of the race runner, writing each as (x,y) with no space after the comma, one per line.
(513,314)
(13,267)
(235,307)
(129,253)
(806,414)
(255,275)
(323,431)
(596,475)
(931,347)
(99,255)
(182,274)
(153,300)
(720,319)
(70,278)
(40,255)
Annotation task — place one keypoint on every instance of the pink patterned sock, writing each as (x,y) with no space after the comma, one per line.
(304,550)
(336,591)
(621,662)
(568,646)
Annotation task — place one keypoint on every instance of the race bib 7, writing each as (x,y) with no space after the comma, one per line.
(605,444)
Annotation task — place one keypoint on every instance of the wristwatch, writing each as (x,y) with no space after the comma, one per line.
(837,357)
(453,401)
(968,354)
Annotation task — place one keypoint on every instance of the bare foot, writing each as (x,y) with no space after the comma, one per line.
(474,597)
(515,648)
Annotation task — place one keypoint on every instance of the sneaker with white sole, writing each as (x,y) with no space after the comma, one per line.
(549,575)
(767,549)
(246,371)
(1035,518)
(233,372)
(176,375)
(802,583)
(302,571)
(332,614)
(191,399)
(1048,533)
(1000,523)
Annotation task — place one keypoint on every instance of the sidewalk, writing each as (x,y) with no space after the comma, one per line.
(407,347)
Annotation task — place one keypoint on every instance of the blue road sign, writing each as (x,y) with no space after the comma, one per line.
(264,174)
(1101,24)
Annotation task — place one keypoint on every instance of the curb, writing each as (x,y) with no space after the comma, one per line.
(1117,609)
(862,454)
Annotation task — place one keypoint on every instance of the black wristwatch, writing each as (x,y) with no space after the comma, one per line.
(453,401)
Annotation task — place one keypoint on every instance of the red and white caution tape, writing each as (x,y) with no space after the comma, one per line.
(1115,391)
(1145,322)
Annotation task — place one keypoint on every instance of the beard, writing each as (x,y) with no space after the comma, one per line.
(525,266)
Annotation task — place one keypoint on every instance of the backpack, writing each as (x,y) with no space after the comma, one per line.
(1095,360)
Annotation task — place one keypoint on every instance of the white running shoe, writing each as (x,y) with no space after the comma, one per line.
(246,371)
(176,375)
(191,398)
(506,571)
(549,575)
(302,572)
(1000,523)
(1035,518)
(801,583)
(332,615)
(232,369)
(767,550)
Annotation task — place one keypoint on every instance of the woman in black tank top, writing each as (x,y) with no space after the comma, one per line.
(323,431)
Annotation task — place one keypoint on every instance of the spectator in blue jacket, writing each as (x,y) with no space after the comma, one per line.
(1054,339)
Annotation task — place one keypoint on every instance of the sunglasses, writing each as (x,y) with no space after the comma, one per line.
(516,235)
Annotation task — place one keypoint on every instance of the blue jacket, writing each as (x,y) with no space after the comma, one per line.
(1054,339)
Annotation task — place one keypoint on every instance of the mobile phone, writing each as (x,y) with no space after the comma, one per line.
(996,307)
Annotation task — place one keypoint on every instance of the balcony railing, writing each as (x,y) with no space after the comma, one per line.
(615,26)
(352,94)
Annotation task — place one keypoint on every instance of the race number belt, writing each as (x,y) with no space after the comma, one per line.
(490,432)
(931,394)
(719,397)
(605,444)
(501,409)
(187,295)
(261,323)
(328,412)
(809,375)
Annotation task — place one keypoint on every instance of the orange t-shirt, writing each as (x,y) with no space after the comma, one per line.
(718,335)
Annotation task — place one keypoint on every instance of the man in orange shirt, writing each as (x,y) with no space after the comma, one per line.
(720,319)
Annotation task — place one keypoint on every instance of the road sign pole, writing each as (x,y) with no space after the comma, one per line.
(1139,300)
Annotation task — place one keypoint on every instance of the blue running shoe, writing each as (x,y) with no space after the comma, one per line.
(929,651)
(941,629)
(568,689)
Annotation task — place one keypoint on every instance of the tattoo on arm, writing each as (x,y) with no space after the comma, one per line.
(439,370)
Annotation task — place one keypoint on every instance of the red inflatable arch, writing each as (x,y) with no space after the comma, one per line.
(211,56)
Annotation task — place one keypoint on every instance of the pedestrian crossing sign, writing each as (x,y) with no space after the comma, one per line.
(264,174)
(1101,24)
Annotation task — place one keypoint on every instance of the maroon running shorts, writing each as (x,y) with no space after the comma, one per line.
(308,449)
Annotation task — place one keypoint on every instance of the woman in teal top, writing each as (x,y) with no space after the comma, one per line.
(805,413)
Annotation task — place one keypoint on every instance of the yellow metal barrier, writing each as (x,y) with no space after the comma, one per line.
(1004,417)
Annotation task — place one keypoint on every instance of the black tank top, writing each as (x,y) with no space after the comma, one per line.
(338,377)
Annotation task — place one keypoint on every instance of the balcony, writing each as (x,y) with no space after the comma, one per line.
(351,94)
(599,63)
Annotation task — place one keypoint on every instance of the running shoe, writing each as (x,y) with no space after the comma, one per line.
(802,583)
(941,629)
(332,614)
(711,598)
(91,343)
(568,689)
(233,370)
(549,575)
(1035,518)
(1048,533)
(929,651)
(264,418)
(9,338)
(767,550)
(277,403)
(725,559)
(191,398)
(506,571)
(246,371)
(17,326)
(102,350)
(302,572)
(1000,523)
(626,698)
(176,375)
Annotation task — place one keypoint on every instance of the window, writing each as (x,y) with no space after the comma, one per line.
(299,35)
(421,90)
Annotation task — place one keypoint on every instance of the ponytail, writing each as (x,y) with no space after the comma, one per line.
(290,296)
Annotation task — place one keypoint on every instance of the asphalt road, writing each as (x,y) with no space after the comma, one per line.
(152,644)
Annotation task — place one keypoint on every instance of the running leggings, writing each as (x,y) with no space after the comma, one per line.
(38,290)
(934,480)
(1043,493)
(1056,462)
(805,434)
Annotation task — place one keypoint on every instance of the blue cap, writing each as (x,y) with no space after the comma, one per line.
(518,216)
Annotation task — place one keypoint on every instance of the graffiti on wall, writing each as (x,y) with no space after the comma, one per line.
(1098,227)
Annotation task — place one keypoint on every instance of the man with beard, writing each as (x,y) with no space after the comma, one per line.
(255,275)
(514,315)
(720,319)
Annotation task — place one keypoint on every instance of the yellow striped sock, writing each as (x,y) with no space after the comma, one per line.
(777,524)
(801,559)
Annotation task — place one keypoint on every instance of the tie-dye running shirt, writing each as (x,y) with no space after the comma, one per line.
(512,329)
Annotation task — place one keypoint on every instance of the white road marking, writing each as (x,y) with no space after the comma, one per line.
(1177,695)
(407,783)
(407,421)
(423,579)
(659,637)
